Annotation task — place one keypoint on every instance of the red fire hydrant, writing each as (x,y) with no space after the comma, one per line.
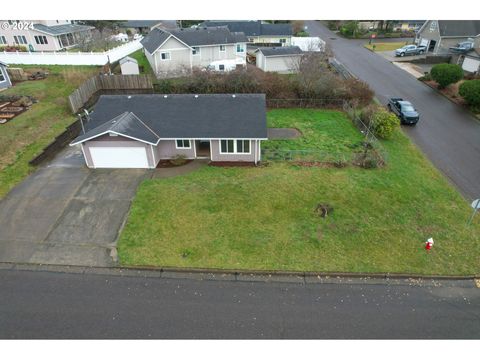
(429,244)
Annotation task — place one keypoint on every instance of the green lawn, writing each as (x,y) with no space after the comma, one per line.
(142,61)
(23,137)
(387,46)
(263,218)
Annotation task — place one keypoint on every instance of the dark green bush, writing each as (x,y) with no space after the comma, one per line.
(470,91)
(446,74)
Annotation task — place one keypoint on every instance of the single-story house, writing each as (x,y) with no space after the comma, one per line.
(4,78)
(176,52)
(440,35)
(137,131)
(258,31)
(129,66)
(43,35)
(283,59)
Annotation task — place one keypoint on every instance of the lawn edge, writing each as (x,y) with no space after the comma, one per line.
(225,274)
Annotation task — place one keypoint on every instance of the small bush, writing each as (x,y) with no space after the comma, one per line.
(446,74)
(367,113)
(384,123)
(470,91)
(426,77)
(359,91)
(178,160)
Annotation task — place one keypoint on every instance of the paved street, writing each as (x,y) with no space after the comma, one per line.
(65,213)
(56,305)
(447,134)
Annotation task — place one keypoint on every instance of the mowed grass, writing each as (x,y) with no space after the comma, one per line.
(22,138)
(142,61)
(386,46)
(263,218)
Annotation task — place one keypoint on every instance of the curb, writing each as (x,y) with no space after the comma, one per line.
(445,96)
(297,277)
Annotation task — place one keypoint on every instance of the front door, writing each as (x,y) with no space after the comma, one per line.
(202,148)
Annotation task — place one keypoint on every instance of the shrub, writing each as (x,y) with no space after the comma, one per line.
(384,123)
(367,113)
(470,91)
(359,91)
(178,160)
(446,74)
(426,77)
(350,29)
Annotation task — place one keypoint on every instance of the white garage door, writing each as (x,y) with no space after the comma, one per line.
(119,157)
(470,65)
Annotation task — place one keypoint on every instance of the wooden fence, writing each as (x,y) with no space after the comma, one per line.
(97,83)
(70,133)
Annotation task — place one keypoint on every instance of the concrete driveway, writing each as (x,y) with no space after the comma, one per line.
(65,213)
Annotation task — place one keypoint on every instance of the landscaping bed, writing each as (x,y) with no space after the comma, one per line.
(268,218)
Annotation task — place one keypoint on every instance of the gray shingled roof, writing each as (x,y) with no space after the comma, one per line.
(459,27)
(176,116)
(61,29)
(193,37)
(127,58)
(139,23)
(254,28)
(280,51)
(127,124)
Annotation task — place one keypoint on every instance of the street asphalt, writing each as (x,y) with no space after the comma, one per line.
(448,134)
(53,305)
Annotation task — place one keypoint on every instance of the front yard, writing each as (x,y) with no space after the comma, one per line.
(24,137)
(264,217)
(387,46)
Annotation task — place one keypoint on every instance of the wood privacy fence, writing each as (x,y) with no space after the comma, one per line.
(71,132)
(97,83)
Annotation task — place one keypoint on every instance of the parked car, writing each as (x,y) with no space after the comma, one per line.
(462,47)
(410,50)
(404,110)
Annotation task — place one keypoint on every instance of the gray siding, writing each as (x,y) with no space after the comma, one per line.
(7,83)
(216,156)
(280,64)
(166,149)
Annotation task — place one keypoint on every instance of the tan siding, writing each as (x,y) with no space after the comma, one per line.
(216,156)
(281,64)
(166,149)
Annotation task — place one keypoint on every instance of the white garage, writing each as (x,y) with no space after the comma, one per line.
(471,65)
(119,157)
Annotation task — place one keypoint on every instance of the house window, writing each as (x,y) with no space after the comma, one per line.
(221,67)
(41,40)
(283,41)
(222,48)
(195,50)
(3,40)
(227,146)
(240,48)
(235,146)
(2,76)
(20,39)
(243,146)
(183,144)
(165,56)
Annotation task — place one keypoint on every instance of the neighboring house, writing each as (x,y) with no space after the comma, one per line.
(140,26)
(440,35)
(43,35)
(309,43)
(258,32)
(407,25)
(129,66)
(469,60)
(137,131)
(283,59)
(4,78)
(178,51)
